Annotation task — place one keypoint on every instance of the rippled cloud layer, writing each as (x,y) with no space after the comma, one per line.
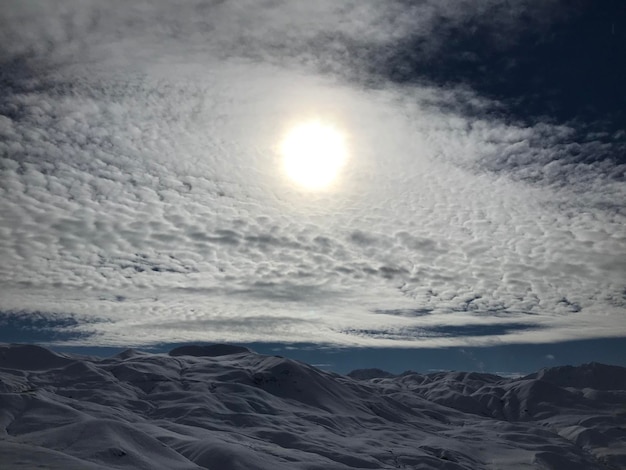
(142,197)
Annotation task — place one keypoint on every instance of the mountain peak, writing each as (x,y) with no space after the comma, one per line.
(591,375)
(211,350)
(30,357)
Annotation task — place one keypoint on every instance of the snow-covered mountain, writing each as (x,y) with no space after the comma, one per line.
(224,407)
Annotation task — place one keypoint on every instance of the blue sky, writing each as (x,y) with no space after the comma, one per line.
(479,203)
(504,359)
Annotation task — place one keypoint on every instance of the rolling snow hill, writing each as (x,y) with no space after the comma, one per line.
(224,407)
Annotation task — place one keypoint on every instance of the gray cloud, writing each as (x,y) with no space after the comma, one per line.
(140,182)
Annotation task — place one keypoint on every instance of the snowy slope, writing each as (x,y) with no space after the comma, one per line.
(225,407)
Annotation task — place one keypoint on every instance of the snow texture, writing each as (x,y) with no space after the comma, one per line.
(225,407)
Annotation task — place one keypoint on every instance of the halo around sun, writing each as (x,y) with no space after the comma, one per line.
(313,154)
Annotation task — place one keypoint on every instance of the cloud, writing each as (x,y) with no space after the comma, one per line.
(141,183)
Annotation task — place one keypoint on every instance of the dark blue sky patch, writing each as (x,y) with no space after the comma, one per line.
(570,69)
(481,330)
(37,327)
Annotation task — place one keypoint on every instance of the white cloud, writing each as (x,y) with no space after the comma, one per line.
(141,184)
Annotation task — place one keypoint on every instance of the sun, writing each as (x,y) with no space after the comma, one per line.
(313,154)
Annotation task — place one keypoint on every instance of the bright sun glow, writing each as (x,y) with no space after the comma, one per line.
(313,154)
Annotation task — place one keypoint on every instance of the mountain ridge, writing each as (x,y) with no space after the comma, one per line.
(223,407)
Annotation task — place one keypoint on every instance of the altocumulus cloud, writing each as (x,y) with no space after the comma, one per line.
(142,195)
